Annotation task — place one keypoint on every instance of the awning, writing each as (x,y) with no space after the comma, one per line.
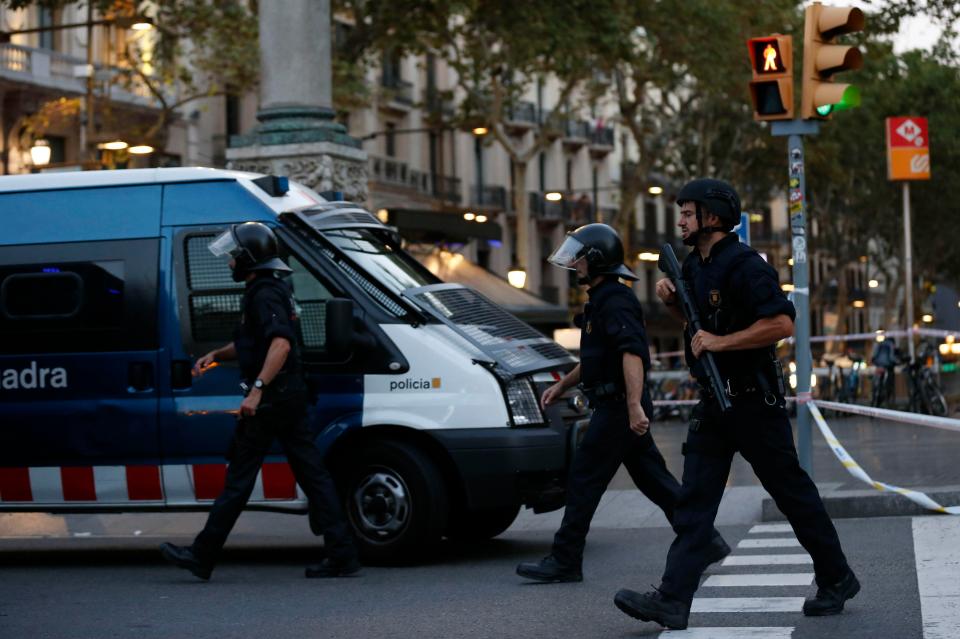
(441,226)
(454,267)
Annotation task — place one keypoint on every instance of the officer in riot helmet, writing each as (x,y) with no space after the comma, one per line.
(267,347)
(614,361)
(744,313)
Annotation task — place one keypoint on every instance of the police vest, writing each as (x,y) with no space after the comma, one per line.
(719,314)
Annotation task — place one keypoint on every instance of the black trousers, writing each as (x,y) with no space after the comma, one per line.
(607,443)
(762,434)
(252,440)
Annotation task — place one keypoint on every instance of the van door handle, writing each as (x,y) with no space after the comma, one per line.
(181,374)
(139,377)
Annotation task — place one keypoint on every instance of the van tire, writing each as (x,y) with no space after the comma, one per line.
(479,525)
(395,501)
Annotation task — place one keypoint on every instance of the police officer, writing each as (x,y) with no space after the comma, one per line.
(266,345)
(614,360)
(745,313)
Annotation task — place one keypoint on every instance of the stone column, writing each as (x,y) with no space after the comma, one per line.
(297,135)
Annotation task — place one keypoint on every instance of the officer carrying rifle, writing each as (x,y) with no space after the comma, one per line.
(614,362)
(730,350)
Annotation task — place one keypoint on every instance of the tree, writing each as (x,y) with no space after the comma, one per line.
(198,49)
(682,87)
(498,50)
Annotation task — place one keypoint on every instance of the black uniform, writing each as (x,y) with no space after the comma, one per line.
(734,287)
(612,324)
(269,312)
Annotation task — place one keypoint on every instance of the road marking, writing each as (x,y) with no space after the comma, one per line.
(747,604)
(766,560)
(935,543)
(771,579)
(771,528)
(771,542)
(769,632)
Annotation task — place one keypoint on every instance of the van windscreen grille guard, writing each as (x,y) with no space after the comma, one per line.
(516,347)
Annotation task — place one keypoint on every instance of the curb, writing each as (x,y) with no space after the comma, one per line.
(844,504)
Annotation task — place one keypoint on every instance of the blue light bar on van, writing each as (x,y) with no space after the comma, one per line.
(50,269)
(273,185)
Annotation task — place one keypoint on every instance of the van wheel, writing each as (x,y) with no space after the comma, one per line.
(478,525)
(395,501)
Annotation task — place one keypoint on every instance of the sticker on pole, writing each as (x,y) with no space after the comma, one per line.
(908,148)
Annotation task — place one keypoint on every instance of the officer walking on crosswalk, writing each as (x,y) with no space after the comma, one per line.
(614,362)
(744,313)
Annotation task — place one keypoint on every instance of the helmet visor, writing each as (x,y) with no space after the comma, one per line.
(225,245)
(567,254)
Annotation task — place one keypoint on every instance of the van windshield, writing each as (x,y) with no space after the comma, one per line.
(381,260)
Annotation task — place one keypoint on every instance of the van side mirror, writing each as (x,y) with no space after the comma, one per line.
(339,326)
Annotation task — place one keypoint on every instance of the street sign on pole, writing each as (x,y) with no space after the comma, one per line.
(908,158)
(908,148)
(743,228)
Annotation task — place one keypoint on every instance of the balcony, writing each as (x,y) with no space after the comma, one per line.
(489,197)
(601,141)
(447,188)
(393,172)
(398,93)
(520,117)
(576,133)
(57,72)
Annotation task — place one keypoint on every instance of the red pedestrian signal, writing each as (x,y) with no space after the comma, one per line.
(771,89)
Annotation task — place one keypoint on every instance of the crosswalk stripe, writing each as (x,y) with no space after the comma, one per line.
(767,560)
(747,604)
(935,543)
(770,542)
(771,528)
(769,579)
(759,632)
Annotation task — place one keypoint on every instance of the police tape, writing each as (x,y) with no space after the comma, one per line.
(945,423)
(854,468)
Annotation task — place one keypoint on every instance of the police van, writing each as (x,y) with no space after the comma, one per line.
(424,394)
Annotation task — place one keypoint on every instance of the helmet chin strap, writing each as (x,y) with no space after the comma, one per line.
(691,240)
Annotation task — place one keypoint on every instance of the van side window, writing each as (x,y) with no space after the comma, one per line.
(311,296)
(81,296)
(215,299)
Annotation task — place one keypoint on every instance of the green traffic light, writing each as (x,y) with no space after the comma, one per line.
(825,110)
(848,100)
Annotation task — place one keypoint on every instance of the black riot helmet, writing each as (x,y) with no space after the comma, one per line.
(713,196)
(253,245)
(600,245)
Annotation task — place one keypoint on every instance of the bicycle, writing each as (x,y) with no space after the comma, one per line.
(925,394)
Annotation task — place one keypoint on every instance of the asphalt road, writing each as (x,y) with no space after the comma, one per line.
(101,588)
(100,576)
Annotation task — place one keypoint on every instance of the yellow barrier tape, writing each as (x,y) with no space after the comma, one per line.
(854,469)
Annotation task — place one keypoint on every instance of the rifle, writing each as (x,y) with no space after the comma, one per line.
(671,268)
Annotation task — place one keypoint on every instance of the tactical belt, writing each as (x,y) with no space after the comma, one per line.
(603,394)
(770,390)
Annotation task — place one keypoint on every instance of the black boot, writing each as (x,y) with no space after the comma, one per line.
(333,568)
(830,600)
(549,570)
(654,606)
(184,557)
(718,549)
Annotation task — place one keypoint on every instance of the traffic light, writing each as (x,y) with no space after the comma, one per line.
(822,59)
(772,86)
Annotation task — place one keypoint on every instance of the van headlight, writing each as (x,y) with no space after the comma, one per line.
(522,402)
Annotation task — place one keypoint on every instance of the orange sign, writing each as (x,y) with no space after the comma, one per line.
(908,149)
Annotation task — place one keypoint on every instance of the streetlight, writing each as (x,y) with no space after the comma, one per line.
(40,153)
(469,217)
(517,276)
(115,145)
(927,318)
(647,256)
(873,283)
(480,131)
(141,149)
(655,190)
(553,196)
(480,219)
(859,303)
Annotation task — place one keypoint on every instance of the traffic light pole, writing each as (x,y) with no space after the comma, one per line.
(796,203)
